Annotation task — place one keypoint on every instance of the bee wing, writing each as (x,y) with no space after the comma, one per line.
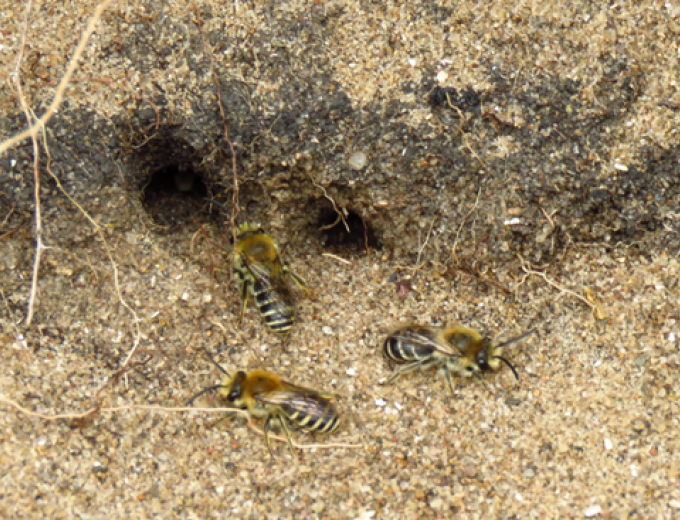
(429,338)
(305,403)
(279,284)
(272,277)
(260,272)
(309,391)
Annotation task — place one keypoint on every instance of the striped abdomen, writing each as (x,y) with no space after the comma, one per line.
(276,308)
(309,412)
(401,350)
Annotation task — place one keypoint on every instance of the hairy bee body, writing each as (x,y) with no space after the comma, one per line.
(309,412)
(406,345)
(266,396)
(264,276)
(457,349)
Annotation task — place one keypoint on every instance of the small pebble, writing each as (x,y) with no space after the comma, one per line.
(357,160)
(403,289)
(592,511)
(437,503)
(11,259)
(469,470)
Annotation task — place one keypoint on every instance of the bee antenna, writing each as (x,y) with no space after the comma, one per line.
(204,391)
(509,364)
(514,340)
(213,201)
(218,366)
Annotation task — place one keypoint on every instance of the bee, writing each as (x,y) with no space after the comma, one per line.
(264,276)
(267,396)
(456,348)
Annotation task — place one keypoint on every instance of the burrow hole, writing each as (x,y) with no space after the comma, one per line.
(174,194)
(348,230)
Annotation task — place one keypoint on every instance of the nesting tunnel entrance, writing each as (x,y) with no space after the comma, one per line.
(344,228)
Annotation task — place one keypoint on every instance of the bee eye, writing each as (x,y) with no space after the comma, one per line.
(482,361)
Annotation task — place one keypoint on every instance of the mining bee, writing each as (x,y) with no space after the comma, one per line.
(456,348)
(263,275)
(267,396)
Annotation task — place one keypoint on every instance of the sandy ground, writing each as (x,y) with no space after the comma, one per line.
(592,422)
(589,430)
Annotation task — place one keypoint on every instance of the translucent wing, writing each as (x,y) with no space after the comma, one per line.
(308,411)
(270,278)
(309,391)
(292,402)
(429,338)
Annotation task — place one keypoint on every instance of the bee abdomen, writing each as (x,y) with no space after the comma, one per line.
(278,316)
(403,352)
(326,423)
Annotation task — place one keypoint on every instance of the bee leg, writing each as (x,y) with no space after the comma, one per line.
(244,297)
(284,428)
(267,425)
(392,379)
(416,365)
(299,282)
(448,378)
(483,381)
(228,415)
(284,343)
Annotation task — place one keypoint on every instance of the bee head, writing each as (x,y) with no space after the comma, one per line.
(225,386)
(234,387)
(496,354)
(485,356)
(246,230)
(488,359)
